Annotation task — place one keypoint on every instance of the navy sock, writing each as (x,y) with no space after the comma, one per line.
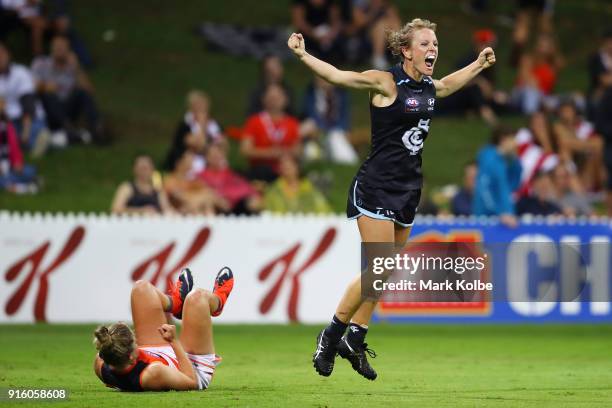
(356,335)
(335,330)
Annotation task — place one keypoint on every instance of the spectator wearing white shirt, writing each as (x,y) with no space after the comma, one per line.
(17,89)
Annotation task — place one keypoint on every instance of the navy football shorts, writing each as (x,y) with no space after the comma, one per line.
(399,207)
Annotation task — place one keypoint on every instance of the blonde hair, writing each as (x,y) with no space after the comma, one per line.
(115,343)
(197,94)
(402,38)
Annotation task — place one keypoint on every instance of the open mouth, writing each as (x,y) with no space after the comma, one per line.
(430,61)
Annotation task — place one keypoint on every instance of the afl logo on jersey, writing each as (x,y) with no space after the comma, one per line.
(412,103)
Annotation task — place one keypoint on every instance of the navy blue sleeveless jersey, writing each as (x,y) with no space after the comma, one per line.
(388,180)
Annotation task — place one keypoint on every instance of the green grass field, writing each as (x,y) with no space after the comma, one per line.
(269,366)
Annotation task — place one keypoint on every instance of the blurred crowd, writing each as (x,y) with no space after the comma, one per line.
(557,162)
(47,103)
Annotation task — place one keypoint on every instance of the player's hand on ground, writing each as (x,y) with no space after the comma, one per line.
(296,44)
(486,58)
(168,332)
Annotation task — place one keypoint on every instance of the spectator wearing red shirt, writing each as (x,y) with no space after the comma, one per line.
(537,75)
(269,134)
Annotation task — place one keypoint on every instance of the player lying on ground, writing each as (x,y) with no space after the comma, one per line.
(154,358)
(385,192)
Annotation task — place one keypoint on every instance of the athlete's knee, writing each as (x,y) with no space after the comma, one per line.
(141,286)
(198,296)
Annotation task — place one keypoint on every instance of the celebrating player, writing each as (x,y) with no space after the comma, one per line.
(155,359)
(386,190)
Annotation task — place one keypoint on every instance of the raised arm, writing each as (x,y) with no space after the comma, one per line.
(375,81)
(457,80)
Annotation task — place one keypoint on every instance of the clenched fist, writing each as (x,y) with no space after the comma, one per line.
(168,332)
(486,58)
(297,45)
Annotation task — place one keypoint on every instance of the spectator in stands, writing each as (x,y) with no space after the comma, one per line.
(499,174)
(367,30)
(535,150)
(141,195)
(268,135)
(603,124)
(568,192)
(463,201)
(541,201)
(293,194)
(579,143)
(529,12)
(188,193)
(60,22)
(15,175)
(17,89)
(600,72)
(272,72)
(480,96)
(320,22)
(66,94)
(195,132)
(326,109)
(241,196)
(537,76)
(25,14)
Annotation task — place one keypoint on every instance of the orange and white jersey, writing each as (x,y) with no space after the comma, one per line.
(203,364)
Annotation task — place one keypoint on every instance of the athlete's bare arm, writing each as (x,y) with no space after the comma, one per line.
(98,366)
(458,79)
(378,82)
(162,377)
